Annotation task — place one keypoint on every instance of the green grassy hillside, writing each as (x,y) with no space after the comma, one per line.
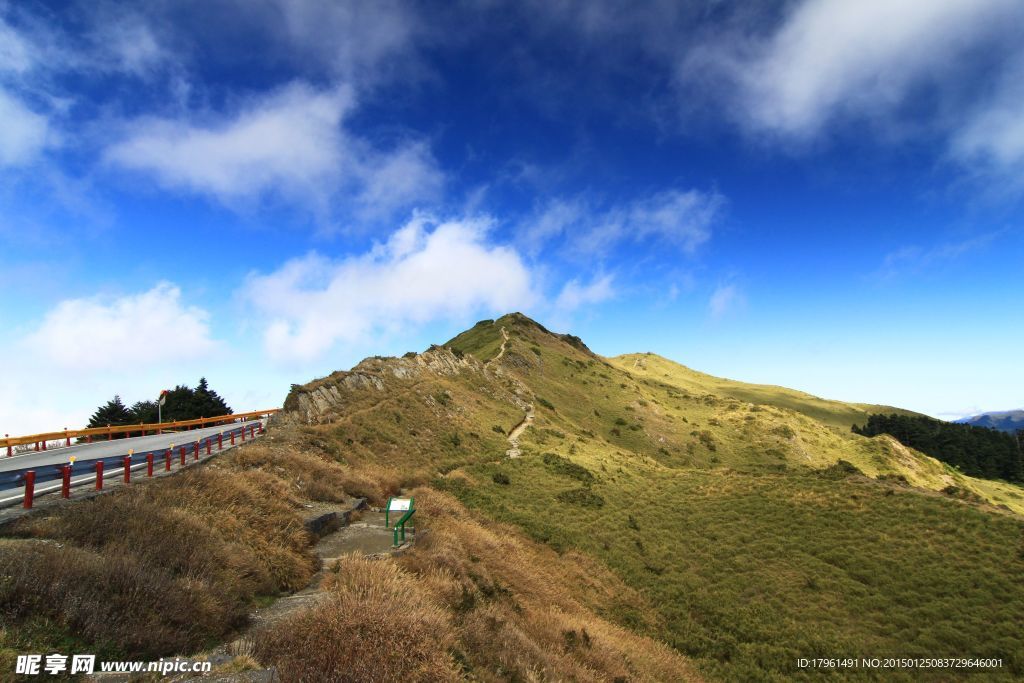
(760,529)
(832,413)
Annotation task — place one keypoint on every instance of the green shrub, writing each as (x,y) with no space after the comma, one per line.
(841,469)
(501,479)
(546,403)
(583,497)
(568,468)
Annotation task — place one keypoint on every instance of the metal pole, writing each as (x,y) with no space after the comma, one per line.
(30,487)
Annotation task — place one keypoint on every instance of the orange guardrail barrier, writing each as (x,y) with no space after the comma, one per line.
(110,430)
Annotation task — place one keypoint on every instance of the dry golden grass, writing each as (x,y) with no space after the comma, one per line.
(377,623)
(108,598)
(522,611)
(173,564)
(471,599)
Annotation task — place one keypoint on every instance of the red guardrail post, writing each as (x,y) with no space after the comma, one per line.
(167,460)
(65,481)
(242,430)
(44,444)
(67,439)
(110,434)
(209,444)
(128,469)
(30,489)
(10,451)
(149,465)
(195,451)
(232,438)
(99,475)
(181,453)
(252,431)
(220,441)
(37,446)
(262,428)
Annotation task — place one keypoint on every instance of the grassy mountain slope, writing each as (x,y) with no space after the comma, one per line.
(758,533)
(833,413)
(655,528)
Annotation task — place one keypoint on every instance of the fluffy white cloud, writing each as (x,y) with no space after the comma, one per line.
(427,270)
(831,58)
(23,132)
(290,144)
(146,329)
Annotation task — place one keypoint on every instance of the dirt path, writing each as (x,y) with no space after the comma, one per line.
(365,535)
(501,351)
(513,436)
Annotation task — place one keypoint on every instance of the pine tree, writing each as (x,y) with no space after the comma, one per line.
(207,402)
(112,412)
(144,411)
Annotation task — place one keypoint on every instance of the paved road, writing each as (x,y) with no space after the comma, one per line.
(48,461)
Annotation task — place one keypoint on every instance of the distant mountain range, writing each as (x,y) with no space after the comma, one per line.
(1006,421)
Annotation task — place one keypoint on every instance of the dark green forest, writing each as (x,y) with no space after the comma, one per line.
(183,403)
(977,451)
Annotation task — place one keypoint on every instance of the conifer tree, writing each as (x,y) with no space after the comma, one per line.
(113,412)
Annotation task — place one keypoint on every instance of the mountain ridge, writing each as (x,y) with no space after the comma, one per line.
(757,524)
(1002,420)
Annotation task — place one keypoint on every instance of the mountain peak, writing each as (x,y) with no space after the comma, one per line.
(484,339)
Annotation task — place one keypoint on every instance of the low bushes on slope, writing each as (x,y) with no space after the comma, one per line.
(378,624)
(475,599)
(751,571)
(172,565)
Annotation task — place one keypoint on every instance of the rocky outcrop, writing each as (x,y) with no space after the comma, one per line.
(322,400)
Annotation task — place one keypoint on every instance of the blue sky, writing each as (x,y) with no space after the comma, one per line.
(819,194)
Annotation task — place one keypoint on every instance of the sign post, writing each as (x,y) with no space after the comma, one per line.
(406,507)
(160,405)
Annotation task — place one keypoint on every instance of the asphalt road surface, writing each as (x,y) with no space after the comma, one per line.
(54,457)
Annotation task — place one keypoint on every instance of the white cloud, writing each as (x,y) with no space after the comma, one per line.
(290,144)
(400,178)
(993,138)
(724,299)
(23,133)
(555,219)
(682,218)
(831,58)
(128,44)
(16,52)
(427,270)
(147,329)
(574,294)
